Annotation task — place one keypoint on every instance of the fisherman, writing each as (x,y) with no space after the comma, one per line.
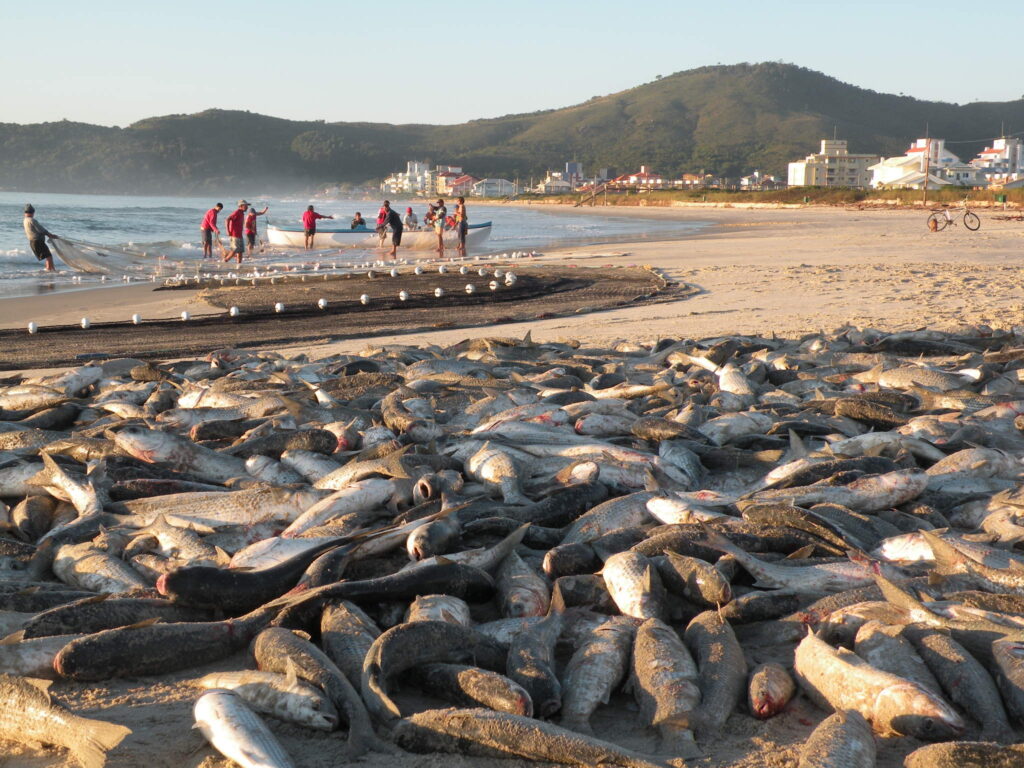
(410,221)
(250,227)
(208,227)
(359,223)
(440,214)
(393,220)
(309,219)
(236,223)
(381,228)
(36,232)
(461,225)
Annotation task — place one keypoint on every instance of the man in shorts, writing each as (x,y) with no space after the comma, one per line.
(440,214)
(309,219)
(250,227)
(236,223)
(207,228)
(36,234)
(393,220)
(461,225)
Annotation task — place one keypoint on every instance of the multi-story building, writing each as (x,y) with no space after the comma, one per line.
(1002,163)
(929,156)
(833,166)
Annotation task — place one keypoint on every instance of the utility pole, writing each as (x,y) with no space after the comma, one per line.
(927,170)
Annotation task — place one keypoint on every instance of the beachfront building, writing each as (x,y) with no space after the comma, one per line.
(642,179)
(554,183)
(833,166)
(925,155)
(759,182)
(494,188)
(462,186)
(1001,164)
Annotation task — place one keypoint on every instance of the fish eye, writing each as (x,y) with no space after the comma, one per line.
(928,725)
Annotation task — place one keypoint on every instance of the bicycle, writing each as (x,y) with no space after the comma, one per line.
(940,218)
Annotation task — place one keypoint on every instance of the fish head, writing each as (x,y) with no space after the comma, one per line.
(907,708)
(524,602)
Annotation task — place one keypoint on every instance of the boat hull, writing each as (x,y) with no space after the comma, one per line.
(416,240)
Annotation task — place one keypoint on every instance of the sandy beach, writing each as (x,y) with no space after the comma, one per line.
(787,271)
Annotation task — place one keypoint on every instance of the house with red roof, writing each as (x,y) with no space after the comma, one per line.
(642,179)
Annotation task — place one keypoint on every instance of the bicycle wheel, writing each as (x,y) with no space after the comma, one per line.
(936,222)
(971,221)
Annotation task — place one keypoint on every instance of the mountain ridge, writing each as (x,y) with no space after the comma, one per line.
(726,119)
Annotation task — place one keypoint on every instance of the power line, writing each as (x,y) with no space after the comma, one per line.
(987,139)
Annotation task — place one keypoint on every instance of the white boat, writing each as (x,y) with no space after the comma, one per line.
(415,239)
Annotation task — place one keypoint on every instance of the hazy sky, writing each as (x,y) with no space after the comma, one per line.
(113,62)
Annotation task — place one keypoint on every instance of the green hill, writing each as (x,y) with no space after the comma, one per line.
(724,119)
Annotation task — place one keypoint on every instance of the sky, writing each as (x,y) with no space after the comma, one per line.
(110,62)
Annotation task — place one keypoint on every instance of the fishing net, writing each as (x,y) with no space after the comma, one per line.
(107,260)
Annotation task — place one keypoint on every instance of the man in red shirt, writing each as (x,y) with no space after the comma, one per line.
(250,227)
(236,222)
(309,225)
(207,228)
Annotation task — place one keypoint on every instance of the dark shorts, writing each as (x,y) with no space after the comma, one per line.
(463,228)
(250,238)
(309,232)
(40,249)
(396,238)
(206,236)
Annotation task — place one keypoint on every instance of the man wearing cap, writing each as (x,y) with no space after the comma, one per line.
(36,232)
(250,227)
(208,227)
(410,221)
(236,223)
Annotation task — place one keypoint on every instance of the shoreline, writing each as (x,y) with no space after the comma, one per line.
(756,271)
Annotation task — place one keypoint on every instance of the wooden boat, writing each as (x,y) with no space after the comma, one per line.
(424,239)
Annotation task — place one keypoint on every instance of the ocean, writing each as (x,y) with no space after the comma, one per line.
(170,226)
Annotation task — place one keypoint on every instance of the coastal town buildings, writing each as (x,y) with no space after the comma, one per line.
(642,179)
(1002,164)
(926,163)
(833,166)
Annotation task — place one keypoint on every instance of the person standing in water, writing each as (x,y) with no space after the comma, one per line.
(36,234)
(393,220)
(461,225)
(207,228)
(440,214)
(309,219)
(236,224)
(250,227)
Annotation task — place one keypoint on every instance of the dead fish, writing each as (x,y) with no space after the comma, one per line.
(28,715)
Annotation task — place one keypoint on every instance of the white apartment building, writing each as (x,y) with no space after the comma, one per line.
(494,188)
(418,179)
(908,170)
(1002,163)
(833,166)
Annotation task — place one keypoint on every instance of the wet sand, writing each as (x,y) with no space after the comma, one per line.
(789,271)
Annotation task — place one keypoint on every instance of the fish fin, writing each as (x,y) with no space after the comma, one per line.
(528,338)
(144,623)
(291,673)
(94,599)
(797,448)
(651,482)
(223,558)
(557,602)
(947,558)
(107,735)
(14,638)
(648,578)
(801,554)
(442,560)
(718,541)
(897,595)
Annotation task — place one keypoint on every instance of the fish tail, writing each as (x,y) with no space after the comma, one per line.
(90,740)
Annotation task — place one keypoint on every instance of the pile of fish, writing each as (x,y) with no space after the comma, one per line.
(473,549)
